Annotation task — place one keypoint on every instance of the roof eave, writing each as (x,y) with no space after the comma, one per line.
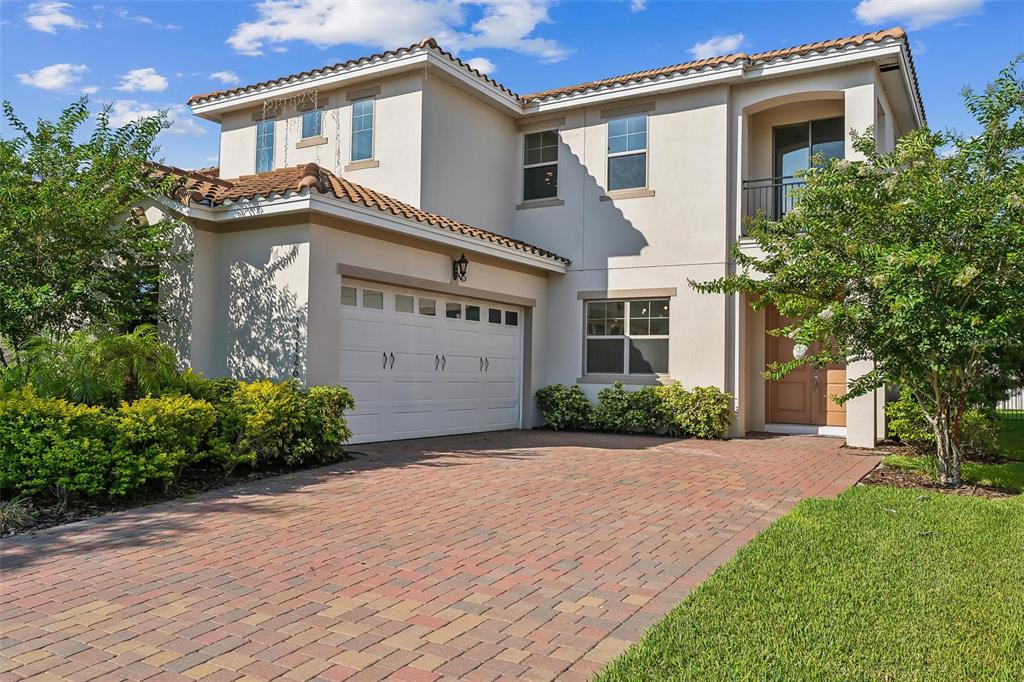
(306,201)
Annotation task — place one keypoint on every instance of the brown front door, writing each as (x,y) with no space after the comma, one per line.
(802,396)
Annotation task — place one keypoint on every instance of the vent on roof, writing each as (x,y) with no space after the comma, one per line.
(889,67)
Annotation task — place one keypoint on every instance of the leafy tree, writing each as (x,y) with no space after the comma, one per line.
(73,253)
(913,259)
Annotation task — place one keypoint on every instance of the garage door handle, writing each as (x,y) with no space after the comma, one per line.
(481,364)
(392,361)
(487,364)
(385,365)
(437,361)
(444,361)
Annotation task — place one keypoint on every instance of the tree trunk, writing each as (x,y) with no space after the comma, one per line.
(948,449)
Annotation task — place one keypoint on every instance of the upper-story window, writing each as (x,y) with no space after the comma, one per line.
(264,145)
(540,165)
(627,152)
(312,122)
(362,129)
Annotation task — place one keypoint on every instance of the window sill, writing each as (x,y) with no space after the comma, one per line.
(633,379)
(627,194)
(360,165)
(311,142)
(539,203)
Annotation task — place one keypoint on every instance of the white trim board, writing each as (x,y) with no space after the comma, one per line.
(806,430)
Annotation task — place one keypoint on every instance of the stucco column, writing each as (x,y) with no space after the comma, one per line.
(324,322)
(862,413)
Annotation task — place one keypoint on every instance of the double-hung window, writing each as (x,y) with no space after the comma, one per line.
(627,337)
(265,145)
(540,165)
(627,152)
(362,129)
(312,123)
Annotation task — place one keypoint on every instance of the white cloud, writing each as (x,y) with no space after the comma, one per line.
(54,77)
(506,24)
(482,64)
(122,13)
(90,89)
(718,46)
(226,77)
(123,111)
(49,16)
(915,13)
(142,79)
(637,5)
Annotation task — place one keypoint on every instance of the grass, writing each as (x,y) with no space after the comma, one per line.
(880,583)
(1011,436)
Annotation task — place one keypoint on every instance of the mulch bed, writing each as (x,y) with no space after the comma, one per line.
(192,482)
(902,478)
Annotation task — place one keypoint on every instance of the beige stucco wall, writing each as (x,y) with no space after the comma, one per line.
(468,148)
(397,137)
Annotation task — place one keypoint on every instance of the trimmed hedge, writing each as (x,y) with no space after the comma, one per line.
(49,446)
(702,412)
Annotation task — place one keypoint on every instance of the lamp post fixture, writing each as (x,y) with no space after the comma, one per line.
(459,268)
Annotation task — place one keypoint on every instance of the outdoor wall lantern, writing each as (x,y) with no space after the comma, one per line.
(459,268)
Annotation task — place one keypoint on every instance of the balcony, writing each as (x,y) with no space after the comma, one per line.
(770,196)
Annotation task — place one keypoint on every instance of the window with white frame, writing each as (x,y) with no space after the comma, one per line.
(312,123)
(265,145)
(540,165)
(362,129)
(627,336)
(627,152)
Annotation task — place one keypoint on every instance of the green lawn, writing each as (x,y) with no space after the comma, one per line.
(1011,437)
(880,583)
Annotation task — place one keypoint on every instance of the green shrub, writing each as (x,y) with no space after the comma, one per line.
(703,412)
(564,407)
(324,427)
(157,438)
(211,390)
(979,432)
(979,428)
(48,443)
(623,411)
(906,421)
(261,419)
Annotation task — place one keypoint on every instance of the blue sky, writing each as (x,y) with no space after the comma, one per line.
(142,56)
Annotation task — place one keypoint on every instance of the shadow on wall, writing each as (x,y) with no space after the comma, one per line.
(175,329)
(266,326)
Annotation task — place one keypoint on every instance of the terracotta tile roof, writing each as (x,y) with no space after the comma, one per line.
(209,170)
(427,43)
(194,187)
(716,62)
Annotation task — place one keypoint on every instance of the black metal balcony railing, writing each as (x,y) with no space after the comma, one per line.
(771,196)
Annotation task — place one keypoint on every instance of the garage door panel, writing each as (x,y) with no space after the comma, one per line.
(436,382)
(362,334)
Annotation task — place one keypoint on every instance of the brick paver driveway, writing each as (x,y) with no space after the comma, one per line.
(526,555)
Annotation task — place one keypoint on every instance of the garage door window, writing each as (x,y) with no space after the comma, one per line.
(428,306)
(348,295)
(403,303)
(511,318)
(473,313)
(453,311)
(627,337)
(494,315)
(373,299)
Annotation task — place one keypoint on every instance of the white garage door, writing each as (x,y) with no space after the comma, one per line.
(426,364)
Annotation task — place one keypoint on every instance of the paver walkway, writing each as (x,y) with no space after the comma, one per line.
(517,555)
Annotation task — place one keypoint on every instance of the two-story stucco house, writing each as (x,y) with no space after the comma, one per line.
(407,227)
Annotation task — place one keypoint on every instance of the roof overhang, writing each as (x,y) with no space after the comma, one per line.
(746,71)
(311,202)
(425,58)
